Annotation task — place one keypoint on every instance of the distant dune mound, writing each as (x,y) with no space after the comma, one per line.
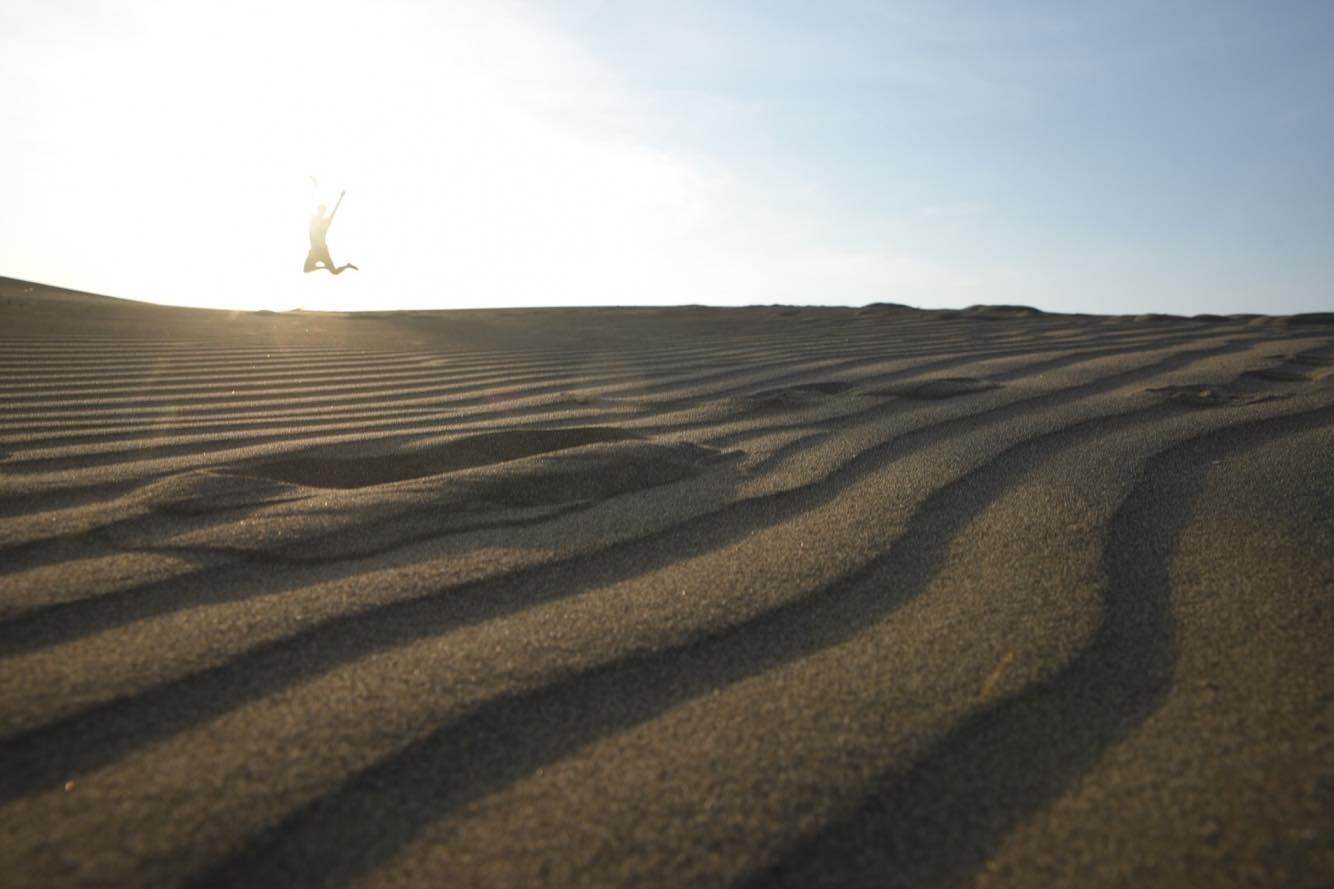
(1312,318)
(1158,316)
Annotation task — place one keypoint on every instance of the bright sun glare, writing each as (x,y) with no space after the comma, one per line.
(459,192)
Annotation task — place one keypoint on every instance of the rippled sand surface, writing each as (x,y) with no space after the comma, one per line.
(663,597)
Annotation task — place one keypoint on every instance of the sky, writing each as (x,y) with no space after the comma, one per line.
(1089,157)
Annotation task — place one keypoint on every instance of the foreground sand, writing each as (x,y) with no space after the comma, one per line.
(669,597)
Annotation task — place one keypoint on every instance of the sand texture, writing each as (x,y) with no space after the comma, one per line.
(663,597)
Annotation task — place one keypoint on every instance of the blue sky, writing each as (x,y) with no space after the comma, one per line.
(1090,157)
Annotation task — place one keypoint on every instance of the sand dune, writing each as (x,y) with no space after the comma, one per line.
(663,596)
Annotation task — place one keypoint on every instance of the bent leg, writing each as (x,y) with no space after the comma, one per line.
(319,259)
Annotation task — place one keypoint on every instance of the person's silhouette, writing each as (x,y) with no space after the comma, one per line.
(319,257)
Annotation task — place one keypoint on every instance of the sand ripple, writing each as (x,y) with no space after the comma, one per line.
(689,596)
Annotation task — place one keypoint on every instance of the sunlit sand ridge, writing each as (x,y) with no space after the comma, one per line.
(679,596)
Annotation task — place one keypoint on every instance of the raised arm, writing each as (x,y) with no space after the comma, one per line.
(336,205)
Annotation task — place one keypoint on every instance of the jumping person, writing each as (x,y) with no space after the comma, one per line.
(319,257)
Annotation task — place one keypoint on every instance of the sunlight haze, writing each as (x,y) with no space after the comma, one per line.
(1078,157)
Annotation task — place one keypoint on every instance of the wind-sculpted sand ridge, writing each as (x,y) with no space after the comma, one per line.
(865,456)
(947,813)
(678,596)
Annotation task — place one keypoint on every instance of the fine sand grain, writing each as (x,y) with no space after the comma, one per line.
(663,597)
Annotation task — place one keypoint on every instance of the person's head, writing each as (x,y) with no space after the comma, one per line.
(319,211)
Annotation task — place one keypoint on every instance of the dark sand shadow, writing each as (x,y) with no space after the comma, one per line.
(335,839)
(483,449)
(940,820)
(50,755)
